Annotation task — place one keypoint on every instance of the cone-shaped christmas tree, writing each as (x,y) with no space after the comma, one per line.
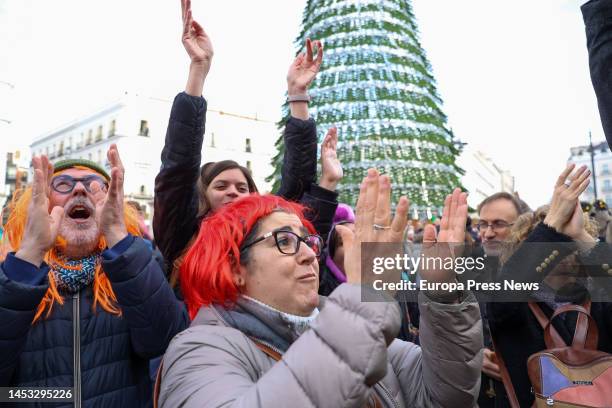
(376,87)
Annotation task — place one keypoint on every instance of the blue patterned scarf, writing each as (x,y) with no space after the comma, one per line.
(72,275)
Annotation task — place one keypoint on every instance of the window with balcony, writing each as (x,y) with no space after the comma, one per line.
(89,137)
(112,128)
(144,128)
(99,134)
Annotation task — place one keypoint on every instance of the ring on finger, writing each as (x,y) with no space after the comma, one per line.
(381,227)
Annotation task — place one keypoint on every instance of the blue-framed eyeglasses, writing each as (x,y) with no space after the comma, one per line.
(64,184)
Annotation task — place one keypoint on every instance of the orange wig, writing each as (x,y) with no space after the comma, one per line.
(11,240)
(213,259)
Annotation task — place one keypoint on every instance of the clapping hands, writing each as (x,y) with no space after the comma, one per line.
(109,203)
(331,168)
(565,214)
(41,227)
(373,222)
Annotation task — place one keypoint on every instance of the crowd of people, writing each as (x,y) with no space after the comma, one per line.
(244,299)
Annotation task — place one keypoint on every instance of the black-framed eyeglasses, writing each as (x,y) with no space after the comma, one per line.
(495,225)
(64,183)
(288,242)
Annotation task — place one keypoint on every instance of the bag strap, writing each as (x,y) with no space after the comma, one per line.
(266,349)
(157,386)
(505,375)
(586,334)
(556,338)
(581,339)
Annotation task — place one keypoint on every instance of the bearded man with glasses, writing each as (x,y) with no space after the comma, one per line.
(83,303)
(497,214)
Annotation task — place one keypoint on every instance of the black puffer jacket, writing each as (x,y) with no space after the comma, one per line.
(176,203)
(597,16)
(113,352)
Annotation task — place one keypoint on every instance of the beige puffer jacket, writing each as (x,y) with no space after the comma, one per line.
(348,352)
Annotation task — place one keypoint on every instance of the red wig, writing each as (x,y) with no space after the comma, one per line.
(211,262)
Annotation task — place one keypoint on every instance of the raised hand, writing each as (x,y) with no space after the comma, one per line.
(331,168)
(373,221)
(454,216)
(200,50)
(304,69)
(450,239)
(568,188)
(109,204)
(41,226)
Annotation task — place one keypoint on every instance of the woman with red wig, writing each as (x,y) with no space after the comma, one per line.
(262,337)
(186,193)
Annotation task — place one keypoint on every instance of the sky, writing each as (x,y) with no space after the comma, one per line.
(513,75)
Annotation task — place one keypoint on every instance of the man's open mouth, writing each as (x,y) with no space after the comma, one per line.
(79,212)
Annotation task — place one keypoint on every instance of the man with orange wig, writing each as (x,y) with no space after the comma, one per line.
(83,303)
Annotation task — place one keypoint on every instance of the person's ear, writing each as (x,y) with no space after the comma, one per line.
(240,277)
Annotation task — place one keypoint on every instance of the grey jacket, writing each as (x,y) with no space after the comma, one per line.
(348,353)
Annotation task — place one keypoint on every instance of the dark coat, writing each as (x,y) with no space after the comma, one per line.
(114,351)
(597,16)
(175,219)
(516,332)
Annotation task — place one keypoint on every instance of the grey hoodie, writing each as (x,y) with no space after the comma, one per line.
(348,353)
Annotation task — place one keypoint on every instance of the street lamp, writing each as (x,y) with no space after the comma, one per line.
(592,151)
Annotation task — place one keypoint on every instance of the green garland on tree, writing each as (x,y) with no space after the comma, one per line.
(376,87)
